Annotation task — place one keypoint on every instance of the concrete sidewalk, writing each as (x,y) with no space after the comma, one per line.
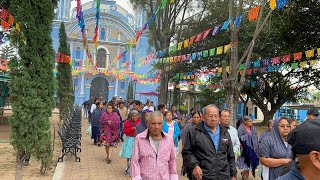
(93,164)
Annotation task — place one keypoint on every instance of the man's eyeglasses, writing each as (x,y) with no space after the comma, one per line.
(283,126)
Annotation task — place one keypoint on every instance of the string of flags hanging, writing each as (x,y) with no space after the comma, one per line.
(186,57)
(132,42)
(267,65)
(7,21)
(62,58)
(96,29)
(3,64)
(83,31)
(253,14)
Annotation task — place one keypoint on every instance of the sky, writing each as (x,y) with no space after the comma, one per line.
(124,3)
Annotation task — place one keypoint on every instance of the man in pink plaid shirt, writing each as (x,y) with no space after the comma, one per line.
(153,155)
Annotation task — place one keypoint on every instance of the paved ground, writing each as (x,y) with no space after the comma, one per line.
(93,164)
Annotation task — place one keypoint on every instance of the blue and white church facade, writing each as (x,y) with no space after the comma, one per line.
(116,27)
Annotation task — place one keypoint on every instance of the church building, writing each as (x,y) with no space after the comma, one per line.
(116,28)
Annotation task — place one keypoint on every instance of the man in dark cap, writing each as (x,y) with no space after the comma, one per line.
(306,146)
(312,114)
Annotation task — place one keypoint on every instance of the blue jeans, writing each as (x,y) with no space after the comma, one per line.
(85,112)
(121,129)
(95,133)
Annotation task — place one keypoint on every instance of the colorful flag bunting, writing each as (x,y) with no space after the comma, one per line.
(216,30)
(310,53)
(180,46)
(273,4)
(5,25)
(254,13)
(226,48)
(4,14)
(205,53)
(199,37)
(313,63)
(303,64)
(297,56)
(226,24)
(186,43)
(163,4)
(237,20)
(286,58)
(212,52)
(191,40)
(275,60)
(205,33)
(219,50)
(281,3)
(11,19)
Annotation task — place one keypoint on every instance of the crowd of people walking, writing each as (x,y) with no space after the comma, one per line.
(210,146)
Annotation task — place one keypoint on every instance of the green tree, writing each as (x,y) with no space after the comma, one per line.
(167,26)
(64,77)
(291,30)
(31,85)
(130,91)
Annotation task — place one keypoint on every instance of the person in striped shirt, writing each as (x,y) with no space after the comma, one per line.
(153,155)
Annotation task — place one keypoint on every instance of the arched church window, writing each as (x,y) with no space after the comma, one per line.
(101,58)
(78,53)
(103,34)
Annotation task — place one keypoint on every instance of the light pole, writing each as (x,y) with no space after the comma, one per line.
(166,80)
(135,89)
(170,88)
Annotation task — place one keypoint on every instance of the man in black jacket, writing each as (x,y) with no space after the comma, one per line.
(208,149)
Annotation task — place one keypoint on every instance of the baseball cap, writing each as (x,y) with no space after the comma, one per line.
(313,111)
(305,138)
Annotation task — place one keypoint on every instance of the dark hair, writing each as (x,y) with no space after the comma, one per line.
(239,122)
(161,106)
(167,112)
(97,104)
(285,118)
(121,102)
(95,100)
(270,122)
(225,110)
(136,102)
(110,104)
(197,112)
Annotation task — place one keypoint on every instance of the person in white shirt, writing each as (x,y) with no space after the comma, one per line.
(148,106)
(94,105)
(225,121)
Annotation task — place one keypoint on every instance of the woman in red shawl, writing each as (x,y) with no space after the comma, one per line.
(110,121)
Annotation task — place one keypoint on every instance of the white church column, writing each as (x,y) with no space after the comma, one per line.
(131,59)
(71,50)
(82,80)
(82,86)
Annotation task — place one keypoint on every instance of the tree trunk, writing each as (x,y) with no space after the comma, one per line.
(232,102)
(267,115)
(245,103)
(19,165)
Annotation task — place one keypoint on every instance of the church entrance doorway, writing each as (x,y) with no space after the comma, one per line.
(99,88)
